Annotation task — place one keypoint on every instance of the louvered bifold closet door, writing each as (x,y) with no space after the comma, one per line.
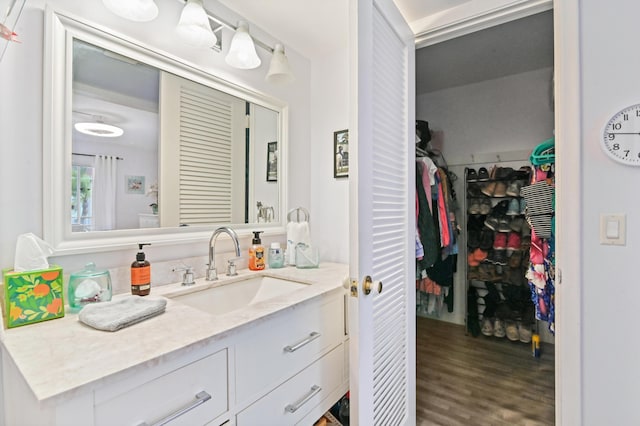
(390,200)
(382,216)
(202,157)
(205,159)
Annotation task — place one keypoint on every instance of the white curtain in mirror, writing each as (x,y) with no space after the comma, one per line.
(104,196)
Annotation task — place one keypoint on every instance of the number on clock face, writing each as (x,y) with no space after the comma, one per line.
(621,136)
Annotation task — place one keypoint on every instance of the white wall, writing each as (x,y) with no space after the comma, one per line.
(610,290)
(21,119)
(506,114)
(329,196)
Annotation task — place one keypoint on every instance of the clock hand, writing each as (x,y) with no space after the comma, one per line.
(624,133)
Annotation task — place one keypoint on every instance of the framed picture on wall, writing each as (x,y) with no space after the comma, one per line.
(134,184)
(341,154)
(272,161)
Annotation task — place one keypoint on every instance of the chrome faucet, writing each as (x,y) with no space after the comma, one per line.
(212,273)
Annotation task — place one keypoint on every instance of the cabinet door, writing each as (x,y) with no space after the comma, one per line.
(382,215)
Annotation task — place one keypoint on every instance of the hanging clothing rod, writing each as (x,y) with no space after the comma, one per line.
(93,155)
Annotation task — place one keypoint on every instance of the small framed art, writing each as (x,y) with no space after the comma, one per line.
(134,184)
(272,161)
(341,153)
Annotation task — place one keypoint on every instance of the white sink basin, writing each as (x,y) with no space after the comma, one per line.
(237,295)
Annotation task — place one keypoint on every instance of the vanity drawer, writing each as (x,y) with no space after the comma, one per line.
(172,394)
(291,401)
(274,351)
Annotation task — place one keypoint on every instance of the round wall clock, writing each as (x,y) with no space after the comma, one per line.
(621,136)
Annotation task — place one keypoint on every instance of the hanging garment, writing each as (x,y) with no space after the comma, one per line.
(425,224)
(539,197)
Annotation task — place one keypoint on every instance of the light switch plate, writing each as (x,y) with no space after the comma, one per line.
(613,229)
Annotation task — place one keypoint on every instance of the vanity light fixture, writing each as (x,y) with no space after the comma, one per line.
(97,128)
(242,52)
(279,70)
(133,10)
(194,27)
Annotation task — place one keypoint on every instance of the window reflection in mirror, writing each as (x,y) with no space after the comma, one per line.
(185,158)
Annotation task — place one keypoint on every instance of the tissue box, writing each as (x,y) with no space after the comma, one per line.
(32,296)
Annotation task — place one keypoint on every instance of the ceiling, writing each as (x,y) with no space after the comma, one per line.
(511,48)
(302,24)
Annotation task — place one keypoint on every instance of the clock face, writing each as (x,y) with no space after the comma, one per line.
(621,136)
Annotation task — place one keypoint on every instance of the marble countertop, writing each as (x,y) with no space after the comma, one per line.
(55,357)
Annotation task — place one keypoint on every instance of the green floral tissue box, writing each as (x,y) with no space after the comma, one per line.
(32,296)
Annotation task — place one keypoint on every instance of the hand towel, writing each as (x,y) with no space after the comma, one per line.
(121,313)
(297,232)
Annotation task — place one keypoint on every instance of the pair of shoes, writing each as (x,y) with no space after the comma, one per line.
(476,256)
(511,329)
(498,258)
(496,188)
(479,206)
(487,326)
(481,175)
(472,273)
(500,241)
(473,191)
(472,176)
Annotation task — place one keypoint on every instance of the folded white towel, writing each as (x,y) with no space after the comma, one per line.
(297,232)
(121,313)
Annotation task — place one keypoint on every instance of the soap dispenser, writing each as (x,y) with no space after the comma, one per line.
(256,253)
(276,256)
(141,274)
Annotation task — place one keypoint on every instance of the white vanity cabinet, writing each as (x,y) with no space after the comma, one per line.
(282,368)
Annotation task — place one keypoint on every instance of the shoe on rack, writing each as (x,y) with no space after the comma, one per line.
(479,254)
(486,239)
(472,273)
(511,329)
(526,229)
(500,189)
(504,224)
(499,259)
(513,189)
(523,205)
(473,239)
(515,260)
(485,206)
(471,260)
(492,222)
(516,224)
(488,189)
(472,176)
(483,174)
(503,173)
(524,333)
(474,206)
(514,207)
(498,328)
(473,191)
(487,326)
(513,242)
(500,241)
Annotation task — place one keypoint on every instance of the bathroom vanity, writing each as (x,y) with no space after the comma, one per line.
(280,359)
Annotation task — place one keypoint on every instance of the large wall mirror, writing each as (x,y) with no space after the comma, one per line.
(143,146)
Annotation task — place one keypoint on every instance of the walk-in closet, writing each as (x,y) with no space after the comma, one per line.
(485,183)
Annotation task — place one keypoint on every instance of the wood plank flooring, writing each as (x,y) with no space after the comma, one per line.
(465,380)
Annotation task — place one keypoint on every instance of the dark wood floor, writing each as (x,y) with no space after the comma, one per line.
(465,380)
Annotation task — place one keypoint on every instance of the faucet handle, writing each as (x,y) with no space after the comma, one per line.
(187,278)
(231,266)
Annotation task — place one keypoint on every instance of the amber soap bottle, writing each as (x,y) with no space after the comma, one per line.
(256,253)
(141,274)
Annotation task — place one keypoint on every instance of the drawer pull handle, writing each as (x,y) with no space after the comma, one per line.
(292,408)
(201,398)
(313,336)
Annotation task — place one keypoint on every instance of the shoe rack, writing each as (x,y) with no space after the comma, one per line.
(498,240)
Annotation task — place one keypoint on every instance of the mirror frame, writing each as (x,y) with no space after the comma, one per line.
(60,30)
